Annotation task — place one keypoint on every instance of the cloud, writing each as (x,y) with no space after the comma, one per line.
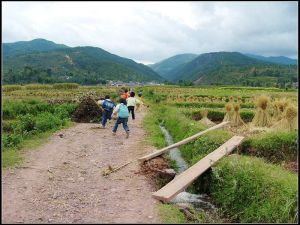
(152,31)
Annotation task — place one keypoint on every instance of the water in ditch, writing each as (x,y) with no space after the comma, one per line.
(199,201)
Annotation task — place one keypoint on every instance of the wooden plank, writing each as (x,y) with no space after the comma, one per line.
(184,141)
(184,179)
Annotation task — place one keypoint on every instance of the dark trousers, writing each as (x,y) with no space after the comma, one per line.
(131,109)
(119,121)
(106,115)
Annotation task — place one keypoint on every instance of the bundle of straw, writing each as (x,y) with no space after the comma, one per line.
(239,99)
(229,114)
(262,117)
(205,121)
(289,120)
(282,105)
(276,111)
(236,119)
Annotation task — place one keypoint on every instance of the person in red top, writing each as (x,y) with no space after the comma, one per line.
(125,94)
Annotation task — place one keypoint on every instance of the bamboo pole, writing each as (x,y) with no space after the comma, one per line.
(109,171)
(184,141)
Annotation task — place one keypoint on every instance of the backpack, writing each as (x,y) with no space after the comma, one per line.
(123,111)
(108,105)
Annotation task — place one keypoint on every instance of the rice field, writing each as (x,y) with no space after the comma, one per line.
(245,186)
(260,182)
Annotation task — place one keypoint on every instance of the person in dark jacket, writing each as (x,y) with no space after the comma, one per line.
(108,107)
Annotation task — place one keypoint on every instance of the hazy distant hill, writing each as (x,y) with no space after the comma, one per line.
(173,63)
(85,65)
(24,47)
(275,59)
(233,68)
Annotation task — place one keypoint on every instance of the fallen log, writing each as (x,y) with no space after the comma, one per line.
(184,141)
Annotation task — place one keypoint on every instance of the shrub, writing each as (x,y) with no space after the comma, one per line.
(8,125)
(65,110)
(11,140)
(251,190)
(25,124)
(46,121)
(13,108)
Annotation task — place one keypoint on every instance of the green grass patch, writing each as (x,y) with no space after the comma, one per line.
(151,126)
(204,145)
(13,156)
(215,114)
(178,125)
(251,190)
(274,146)
(170,214)
(13,108)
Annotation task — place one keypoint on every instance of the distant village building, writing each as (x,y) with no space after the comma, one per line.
(130,83)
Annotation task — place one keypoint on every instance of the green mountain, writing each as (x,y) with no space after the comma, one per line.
(84,65)
(275,59)
(173,63)
(233,68)
(25,47)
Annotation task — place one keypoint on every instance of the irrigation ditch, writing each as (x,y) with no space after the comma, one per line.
(200,202)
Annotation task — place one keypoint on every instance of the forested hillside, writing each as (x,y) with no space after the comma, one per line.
(84,65)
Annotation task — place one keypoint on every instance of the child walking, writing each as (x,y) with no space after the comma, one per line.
(131,103)
(122,111)
(125,94)
(108,107)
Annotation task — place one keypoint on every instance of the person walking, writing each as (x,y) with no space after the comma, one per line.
(122,117)
(125,94)
(131,103)
(108,106)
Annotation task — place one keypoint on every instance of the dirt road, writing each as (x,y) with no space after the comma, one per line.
(62,182)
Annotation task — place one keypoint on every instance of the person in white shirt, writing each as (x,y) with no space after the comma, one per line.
(131,103)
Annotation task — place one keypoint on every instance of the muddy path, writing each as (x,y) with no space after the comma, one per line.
(62,182)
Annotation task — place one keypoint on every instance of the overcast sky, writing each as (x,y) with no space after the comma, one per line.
(152,31)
